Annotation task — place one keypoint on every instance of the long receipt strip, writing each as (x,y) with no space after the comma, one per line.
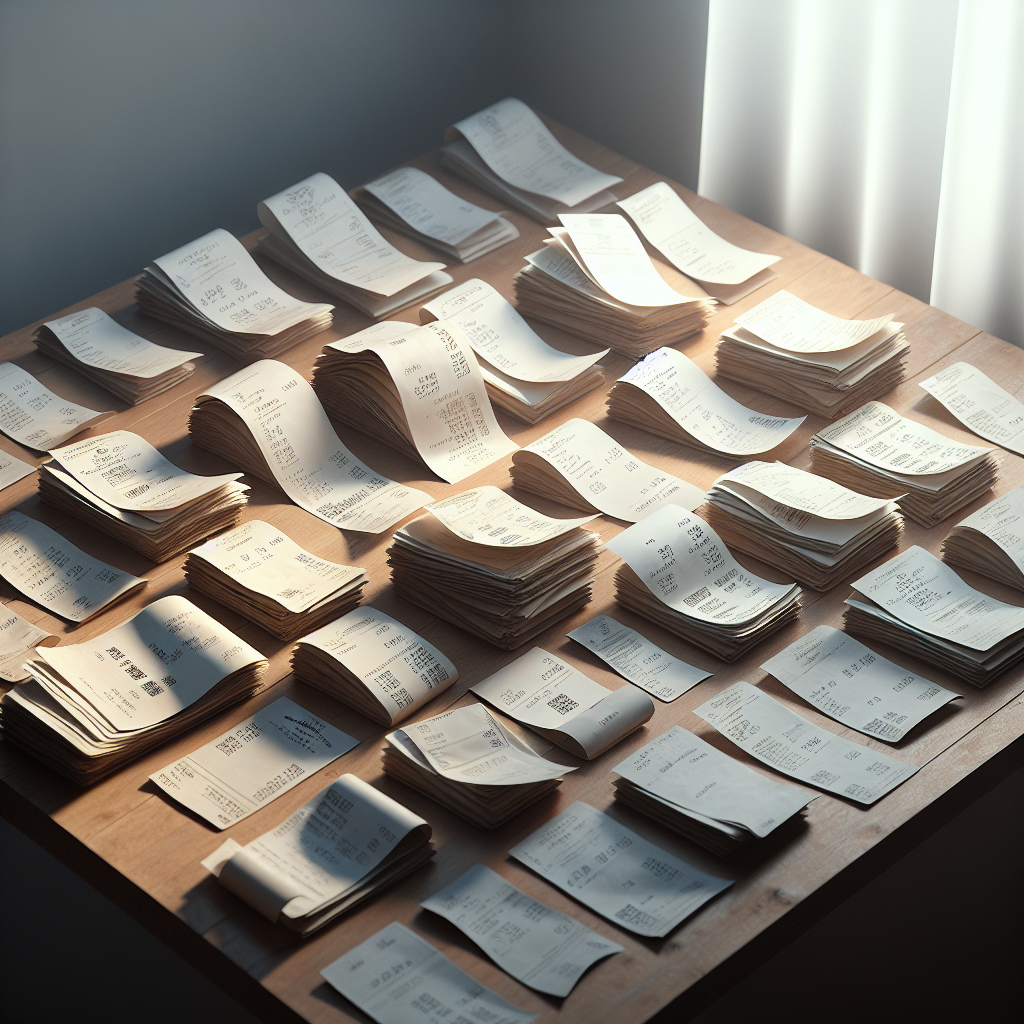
(538,946)
(604,474)
(18,638)
(675,230)
(54,573)
(980,404)
(306,456)
(615,872)
(259,759)
(396,977)
(37,418)
(549,695)
(999,525)
(703,410)
(766,729)
(852,684)
(638,659)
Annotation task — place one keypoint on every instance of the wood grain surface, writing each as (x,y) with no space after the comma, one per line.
(156,846)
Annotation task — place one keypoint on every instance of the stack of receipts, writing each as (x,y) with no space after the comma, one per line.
(417,389)
(668,394)
(101,349)
(991,541)
(470,763)
(679,574)
(876,451)
(691,787)
(374,663)
(215,290)
(579,465)
(615,872)
(768,730)
(723,270)
(594,278)
(37,418)
(524,375)
(814,529)
(817,361)
(119,483)
(857,687)
(980,404)
(565,706)
(18,638)
(267,420)
(508,151)
(919,605)
(93,707)
(316,230)
(261,573)
(411,201)
(349,842)
(55,574)
(494,566)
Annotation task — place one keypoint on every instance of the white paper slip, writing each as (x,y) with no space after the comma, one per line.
(689,772)
(267,561)
(675,230)
(606,475)
(503,338)
(126,471)
(469,745)
(329,228)
(399,668)
(426,205)
(306,456)
(218,278)
(442,392)
(517,146)
(852,684)
(682,561)
(556,262)
(881,437)
(788,322)
(615,872)
(12,470)
(96,339)
(1002,522)
(638,659)
(538,946)
(925,593)
(253,762)
(18,638)
(980,404)
(549,695)
(609,251)
(396,977)
(703,409)
(37,418)
(489,515)
(766,729)
(54,573)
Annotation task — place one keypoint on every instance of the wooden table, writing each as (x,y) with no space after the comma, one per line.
(143,851)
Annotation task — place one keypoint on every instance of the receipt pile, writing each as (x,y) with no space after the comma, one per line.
(119,483)
(876,451)
(411,201)
(261,573)
(92,707)
(819,362)
(921,606)
(814,529)
(214,289)
(494,566)
(128,366)
(470,763)
(991,541)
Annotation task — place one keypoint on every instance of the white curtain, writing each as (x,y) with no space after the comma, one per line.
(886,133)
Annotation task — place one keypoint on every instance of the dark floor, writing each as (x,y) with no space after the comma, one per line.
(936,938)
